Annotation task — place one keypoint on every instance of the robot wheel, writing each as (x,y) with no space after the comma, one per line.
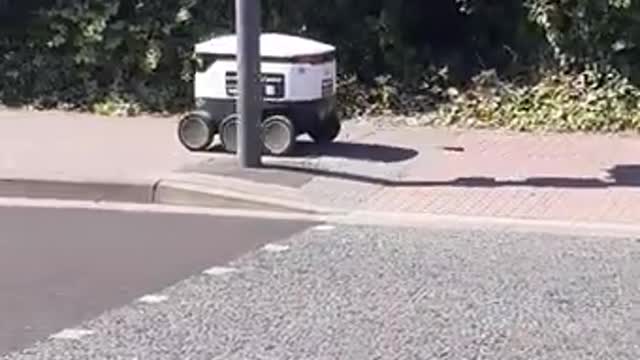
(326,131)
(278,135)
(228,130)
(196,131)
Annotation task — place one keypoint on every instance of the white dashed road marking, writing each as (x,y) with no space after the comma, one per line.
(219,270)
(72,334)
(275,248)
(153,299)
(324,228)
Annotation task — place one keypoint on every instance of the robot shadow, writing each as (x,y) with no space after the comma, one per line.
(354,151)
(627,176)
(347,150)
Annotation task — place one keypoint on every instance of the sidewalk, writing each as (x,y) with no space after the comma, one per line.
(583,178)
(81,146)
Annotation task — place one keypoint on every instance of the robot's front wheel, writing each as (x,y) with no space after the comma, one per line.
(278,135)
(228,131)
(326,131)
(196,131)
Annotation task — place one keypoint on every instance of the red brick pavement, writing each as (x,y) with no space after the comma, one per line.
(560,177)
(556,177)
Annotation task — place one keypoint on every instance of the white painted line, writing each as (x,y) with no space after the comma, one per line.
(426,220)
(513,178)
(275,248)
(153,299)
(324,228)
(72,334)
(219,271)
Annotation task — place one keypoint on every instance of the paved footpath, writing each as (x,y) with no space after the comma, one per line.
(59,145)
(584,178)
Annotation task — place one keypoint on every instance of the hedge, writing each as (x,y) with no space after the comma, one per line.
(403,56)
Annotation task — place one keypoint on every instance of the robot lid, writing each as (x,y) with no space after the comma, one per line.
(272,45)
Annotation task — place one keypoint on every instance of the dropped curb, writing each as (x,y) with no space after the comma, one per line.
(194,190)
(237,197)
(191,189)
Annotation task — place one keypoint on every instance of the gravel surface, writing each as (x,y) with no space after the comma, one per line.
(382,293)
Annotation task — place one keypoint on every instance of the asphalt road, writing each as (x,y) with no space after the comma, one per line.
(61,267)
(382,293)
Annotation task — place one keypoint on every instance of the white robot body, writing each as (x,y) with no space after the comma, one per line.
(294,69)
(283,82)
(298,77)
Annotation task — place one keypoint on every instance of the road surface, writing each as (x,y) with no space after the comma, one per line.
(362,292)
(61,267)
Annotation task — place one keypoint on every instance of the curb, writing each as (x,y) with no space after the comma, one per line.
(97,191)
(228,196)
(216,191)
(187,189)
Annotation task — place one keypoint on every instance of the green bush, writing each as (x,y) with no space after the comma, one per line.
(116,56)
(587,101)
(83,52)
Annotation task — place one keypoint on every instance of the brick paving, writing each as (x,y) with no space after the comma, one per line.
(588,178)
(419,170)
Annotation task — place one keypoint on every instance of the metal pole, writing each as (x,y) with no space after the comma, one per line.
(249,83)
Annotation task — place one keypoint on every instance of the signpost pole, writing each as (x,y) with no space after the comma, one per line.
(249,83)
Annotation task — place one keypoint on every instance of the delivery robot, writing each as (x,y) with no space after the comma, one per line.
(298,87)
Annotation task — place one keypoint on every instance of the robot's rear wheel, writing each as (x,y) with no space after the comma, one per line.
(228,131)
(326,131)
(278,135)
(196,131)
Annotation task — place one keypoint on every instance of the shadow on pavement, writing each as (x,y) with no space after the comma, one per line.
(620,175)
(356,151)
(352,151)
